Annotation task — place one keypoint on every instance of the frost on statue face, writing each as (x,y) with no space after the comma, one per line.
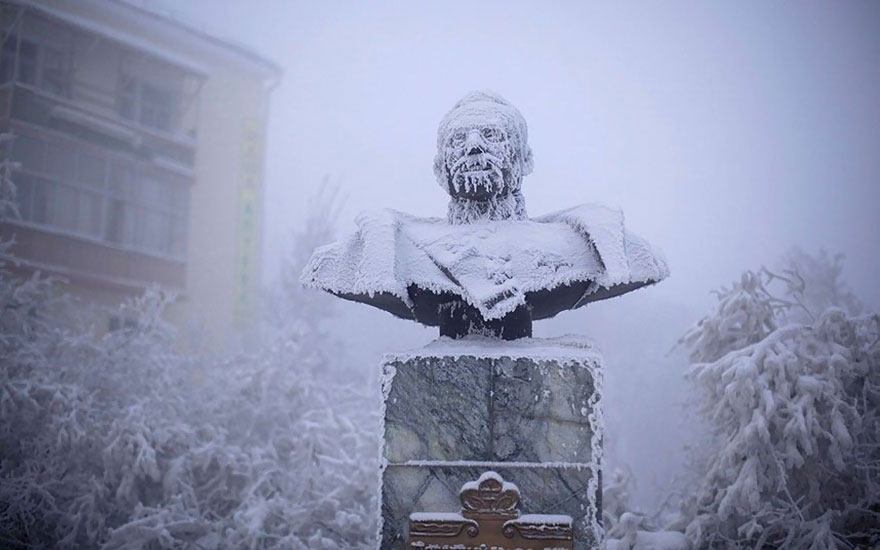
(479,161)
(482,156)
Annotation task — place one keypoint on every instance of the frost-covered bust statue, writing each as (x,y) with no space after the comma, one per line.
(488,268)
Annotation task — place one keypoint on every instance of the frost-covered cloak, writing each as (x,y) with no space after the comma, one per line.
(409,266)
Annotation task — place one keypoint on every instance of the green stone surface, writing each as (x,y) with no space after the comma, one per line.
(528,411)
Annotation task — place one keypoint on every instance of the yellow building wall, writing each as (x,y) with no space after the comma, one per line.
(224,250)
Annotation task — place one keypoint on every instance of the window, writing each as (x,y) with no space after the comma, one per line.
(156,107)
(178,237)
(73,188)
(27,63)
(41,65)
(42,201)
(146,103)
(120,218)
(128,98)
(24,195)
(121,179)
(60,159)
(55,71)
(90,170)
(29,151)
(89,214)
(147,211)
(64,208)
(159,220)
(7,58)
(157,230)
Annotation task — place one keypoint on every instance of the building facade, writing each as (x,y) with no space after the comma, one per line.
(138,148)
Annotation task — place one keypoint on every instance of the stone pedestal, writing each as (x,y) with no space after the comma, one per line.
(529,409)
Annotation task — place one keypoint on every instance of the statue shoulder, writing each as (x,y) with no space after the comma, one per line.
(588,213)
(627,257)
(363,262)
(379,218)
(379,257)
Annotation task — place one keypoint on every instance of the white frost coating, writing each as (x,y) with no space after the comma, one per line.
(487,252)
(493,464)
(491,266)
(475,485)
(482,156)
(541,519)
(596,419)
(649,540)
(563,349)
(626,257)
(436,516)
(388,372)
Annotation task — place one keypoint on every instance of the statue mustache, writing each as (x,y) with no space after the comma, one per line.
(487,159)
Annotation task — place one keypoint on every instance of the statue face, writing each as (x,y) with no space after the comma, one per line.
(482,149)
(480,159)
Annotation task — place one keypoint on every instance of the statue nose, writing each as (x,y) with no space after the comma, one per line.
(475,149)
(474,143)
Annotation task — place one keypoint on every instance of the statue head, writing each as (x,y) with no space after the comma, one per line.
(482,156)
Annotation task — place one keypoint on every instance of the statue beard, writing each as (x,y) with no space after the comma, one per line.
(478,177)
(484,195)
(484,187)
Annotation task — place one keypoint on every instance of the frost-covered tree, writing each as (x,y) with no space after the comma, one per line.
(813,283)
(119,441)
(745,314)
(616,500)
(8,203)
(301,316)
(794,459)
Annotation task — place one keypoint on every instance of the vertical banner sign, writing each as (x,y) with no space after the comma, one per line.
(247,230)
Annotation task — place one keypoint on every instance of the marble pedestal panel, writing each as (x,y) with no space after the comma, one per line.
(528,409)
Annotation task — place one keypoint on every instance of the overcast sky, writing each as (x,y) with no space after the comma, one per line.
(726,132)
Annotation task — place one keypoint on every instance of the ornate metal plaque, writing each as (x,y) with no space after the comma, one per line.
(489,520)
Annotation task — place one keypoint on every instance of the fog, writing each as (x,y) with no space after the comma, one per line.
(727,133)
(168,379)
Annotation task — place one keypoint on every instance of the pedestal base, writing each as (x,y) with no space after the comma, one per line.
(528,409)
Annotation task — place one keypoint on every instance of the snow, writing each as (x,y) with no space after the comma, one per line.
(386,378)
(487,252)
(792,412)
(486,476)
(493,464)
(626,258)
(122,441)
(646,540)
(437,516)
(564,349)
(542,519)
(490,265)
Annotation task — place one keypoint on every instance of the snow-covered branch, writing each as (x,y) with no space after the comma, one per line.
(793,411)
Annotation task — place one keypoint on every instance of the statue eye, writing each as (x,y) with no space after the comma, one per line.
(492,134)
(458,137)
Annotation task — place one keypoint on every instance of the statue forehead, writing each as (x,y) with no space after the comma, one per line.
(477,120)
(478,115)
(478,109)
